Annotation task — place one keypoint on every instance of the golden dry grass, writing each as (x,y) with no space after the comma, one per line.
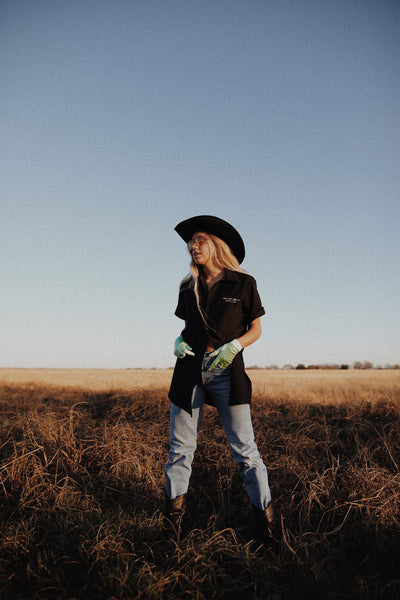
(82,490)
(328,385)
(309,385)
(90,379)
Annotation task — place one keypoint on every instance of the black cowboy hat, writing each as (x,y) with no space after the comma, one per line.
(215,226)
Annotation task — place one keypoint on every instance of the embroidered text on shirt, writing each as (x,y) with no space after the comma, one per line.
(233,300)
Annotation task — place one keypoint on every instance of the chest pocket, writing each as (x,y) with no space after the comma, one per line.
(226,309)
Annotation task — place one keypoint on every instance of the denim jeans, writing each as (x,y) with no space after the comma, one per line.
(236,421)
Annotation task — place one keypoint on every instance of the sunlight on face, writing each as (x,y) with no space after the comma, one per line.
(201,248)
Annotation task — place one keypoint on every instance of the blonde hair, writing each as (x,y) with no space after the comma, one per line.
(224,259)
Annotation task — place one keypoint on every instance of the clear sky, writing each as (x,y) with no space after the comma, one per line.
(120,119)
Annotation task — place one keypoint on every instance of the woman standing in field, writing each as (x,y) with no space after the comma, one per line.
(221,307)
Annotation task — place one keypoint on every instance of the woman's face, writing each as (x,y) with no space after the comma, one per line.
(201,248)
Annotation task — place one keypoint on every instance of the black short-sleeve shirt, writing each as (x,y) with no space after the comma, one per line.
(228,309)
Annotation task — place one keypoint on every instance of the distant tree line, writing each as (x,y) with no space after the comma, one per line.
(356,365)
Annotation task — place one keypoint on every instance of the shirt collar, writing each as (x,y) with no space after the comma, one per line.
(231,275)
(228,276)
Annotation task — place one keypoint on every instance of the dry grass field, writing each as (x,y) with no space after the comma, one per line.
(82,455)
(310,385)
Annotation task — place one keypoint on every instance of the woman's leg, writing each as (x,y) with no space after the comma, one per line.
(238,428)
(182,445)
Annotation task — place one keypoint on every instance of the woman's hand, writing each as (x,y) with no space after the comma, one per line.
(182,348)
(225,354)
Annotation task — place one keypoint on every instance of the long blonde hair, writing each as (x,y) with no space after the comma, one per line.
(224,259)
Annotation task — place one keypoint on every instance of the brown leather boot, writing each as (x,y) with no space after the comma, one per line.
(175,510)
(264,521)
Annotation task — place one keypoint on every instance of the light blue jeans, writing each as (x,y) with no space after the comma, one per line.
(236,421)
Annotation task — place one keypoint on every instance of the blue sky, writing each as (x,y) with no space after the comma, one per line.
(120,119)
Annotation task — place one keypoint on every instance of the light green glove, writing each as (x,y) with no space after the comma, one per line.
(225,354)
(182,348)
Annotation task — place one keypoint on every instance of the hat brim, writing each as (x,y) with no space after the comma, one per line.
(215,226)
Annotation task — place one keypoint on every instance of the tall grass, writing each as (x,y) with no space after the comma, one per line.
(82,496)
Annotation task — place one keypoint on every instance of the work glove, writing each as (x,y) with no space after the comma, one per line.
(182,348)
(225,354)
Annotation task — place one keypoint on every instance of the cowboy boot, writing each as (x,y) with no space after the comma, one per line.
(264,521)
(175,511)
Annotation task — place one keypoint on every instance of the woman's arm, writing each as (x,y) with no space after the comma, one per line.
(227,352)
(252,334)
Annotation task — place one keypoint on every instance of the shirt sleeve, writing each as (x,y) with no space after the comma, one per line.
(180,310)
(255,307)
